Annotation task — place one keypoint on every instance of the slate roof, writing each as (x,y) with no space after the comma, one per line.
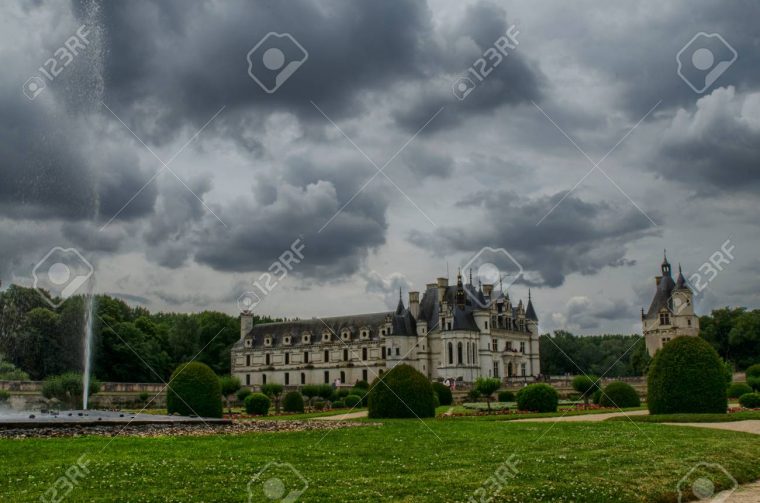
(664,290)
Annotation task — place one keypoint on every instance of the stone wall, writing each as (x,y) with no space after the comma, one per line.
(28,395)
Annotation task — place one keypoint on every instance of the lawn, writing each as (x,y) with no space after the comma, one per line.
(402,460)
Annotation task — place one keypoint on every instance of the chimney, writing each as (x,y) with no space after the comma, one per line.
(487,289)
(414,304)
(246,322)
(442,284)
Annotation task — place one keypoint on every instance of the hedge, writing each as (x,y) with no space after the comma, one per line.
(444,393)
(194,389)
(538,397)
(405,393)
(686,376)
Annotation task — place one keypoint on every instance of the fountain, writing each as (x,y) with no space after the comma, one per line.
(89,314)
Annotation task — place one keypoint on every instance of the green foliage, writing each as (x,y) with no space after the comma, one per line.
(585,385)
(243,393)
(473,395)
(597,396)
(538,397)
(68,389)
(686,376)
(257,404)
(487,386)
(4,396)
(273,391)
(230,385)
(362,384)
(750,401)
(405,393)
(340,404)
(310,391)
(324,391)
(144,396)
(9,372)
(352,401)
(363,393)
(506,396)
(619,394)
(293,402)
(738,389)
(753,376)
(565,353)
(194,390)
(444,393)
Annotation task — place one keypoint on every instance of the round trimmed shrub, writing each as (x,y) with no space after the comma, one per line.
(405,393)
(753,376)
(506,396)
(361,393)
(194,390)
(750,401)
(444,393)
(538,397)
(586,386)
(293,402)
(686,376)
(257,404)
(738,389)
(619,394)
(352,401)
(340,404)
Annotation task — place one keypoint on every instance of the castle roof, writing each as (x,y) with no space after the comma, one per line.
(665,288)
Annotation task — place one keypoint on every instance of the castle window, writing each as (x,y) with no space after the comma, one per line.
(496,369)
(268,341)
(248,343)
(364,353)
(364,374)
(460,360)
(325,336)
(247,360)
(287,378)
(263,378)
(365,334)
(327,377)
(382,332)
(287,358)
(327,356)
(346,335)
(345,355)
(664,318)
(448,326)
(382,352)
(248,379)
(522,347)
(495,344)
(486,325)
(398,351)
(451,354)
(303,378)
(287,340)
(523,369)
(342,377)
(306,357)
(268,359)
(688,322)
(305,339)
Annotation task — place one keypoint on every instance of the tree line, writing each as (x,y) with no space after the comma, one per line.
(130,344)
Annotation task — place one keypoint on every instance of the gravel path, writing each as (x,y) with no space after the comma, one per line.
(341,417)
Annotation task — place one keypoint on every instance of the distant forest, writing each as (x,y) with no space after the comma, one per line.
(131,344)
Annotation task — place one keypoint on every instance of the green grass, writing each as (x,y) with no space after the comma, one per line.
(561,412)
(306,415)
(402,460)
(693,418)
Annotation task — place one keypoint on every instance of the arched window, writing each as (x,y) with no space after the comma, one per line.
(364,353)
(303,378)
(342,377)
(460,360)
(263,378)
(268,359)
(451,354)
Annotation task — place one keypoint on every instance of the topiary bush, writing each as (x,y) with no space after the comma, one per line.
(194,390)
(243,393)
(506,396)
(586,386)
(361,393)
(257,404)
(340,404)
(352,401)
(405,393)
(444,393)
(619,394)
(293,402)
(738,389)
(750,401)
(686,376)
(597,396)
(537,398)
(753,376)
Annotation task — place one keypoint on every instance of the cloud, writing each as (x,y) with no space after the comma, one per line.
(578,237)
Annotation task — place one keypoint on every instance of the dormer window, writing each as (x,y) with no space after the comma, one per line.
(382,331)
(345,334)
(365,334)
(287,340)
(664,318)
(306,338)
(325,336)
(268,341)
(248,343)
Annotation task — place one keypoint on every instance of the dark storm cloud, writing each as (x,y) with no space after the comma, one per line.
(715,148)
(578,237)
(426,162)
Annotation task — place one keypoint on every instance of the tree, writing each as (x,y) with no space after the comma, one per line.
(310,391)
(273,391)
(487,386)
(194,390)
(405,393)
(585,385)
(744,339)
(230,385)
(753,377)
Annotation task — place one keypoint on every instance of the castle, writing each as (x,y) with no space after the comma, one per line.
(456,332)
(671,313)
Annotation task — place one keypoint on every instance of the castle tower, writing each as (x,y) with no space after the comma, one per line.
(671,313)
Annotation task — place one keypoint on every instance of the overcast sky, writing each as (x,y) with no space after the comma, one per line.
(153,152)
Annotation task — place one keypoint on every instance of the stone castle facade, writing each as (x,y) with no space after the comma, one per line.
(671,313)
(457,332)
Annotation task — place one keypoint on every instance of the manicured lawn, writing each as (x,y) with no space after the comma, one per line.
(693,418)
(305,415)
(402,460)
(561,412)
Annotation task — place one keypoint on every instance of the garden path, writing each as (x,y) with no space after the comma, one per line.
(341,417)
